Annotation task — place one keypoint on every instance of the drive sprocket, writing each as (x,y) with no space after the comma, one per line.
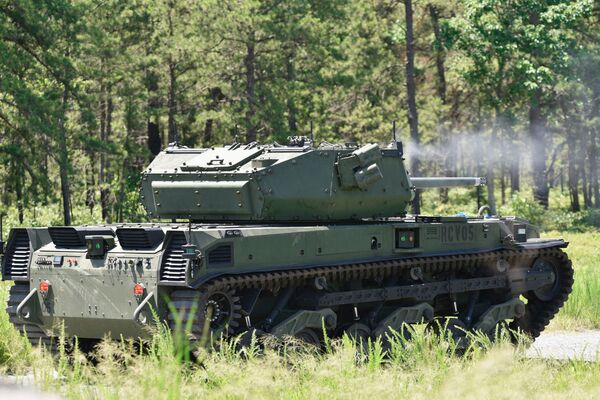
(214,311)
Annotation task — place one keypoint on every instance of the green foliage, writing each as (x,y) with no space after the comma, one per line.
(14,349)
(88,89)
(553,219)
(523,207)
(460,200)
(519,47)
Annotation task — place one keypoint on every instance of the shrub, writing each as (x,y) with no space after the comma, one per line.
(523,207)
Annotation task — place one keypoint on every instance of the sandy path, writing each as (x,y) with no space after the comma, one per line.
(562,345)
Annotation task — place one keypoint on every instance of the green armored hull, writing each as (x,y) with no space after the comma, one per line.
(284,241)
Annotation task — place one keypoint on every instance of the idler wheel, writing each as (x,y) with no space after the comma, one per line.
(550,291)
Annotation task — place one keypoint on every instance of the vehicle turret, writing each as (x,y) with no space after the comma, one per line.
(282,183)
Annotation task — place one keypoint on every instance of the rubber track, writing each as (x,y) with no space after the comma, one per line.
(34,334)
(538,313)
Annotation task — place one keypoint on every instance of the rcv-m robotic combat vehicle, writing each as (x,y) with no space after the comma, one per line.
(284,240)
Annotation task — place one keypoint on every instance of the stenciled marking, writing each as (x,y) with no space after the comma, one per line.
(457,233)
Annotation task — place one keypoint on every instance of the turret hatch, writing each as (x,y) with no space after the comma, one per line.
(222,159)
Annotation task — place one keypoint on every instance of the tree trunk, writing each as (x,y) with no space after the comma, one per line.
(291,105)
(153,131)
(45,162)
(208,129)
(172,104)
(587,201)
(537,135)
(413,117)
(18,182)
(63,160)
(216,95)
(584,185)
(129,132)
(572,173)
(562,180)
(105,135)
(439,52)
(102,106)
(90,194)
(594,168)
(515,166)
(249,63)
(171,100)
(491,165)
(502,181)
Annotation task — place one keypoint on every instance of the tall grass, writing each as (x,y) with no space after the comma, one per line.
(425,367)
(14,349)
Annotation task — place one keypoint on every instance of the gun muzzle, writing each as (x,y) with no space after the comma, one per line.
(446,182)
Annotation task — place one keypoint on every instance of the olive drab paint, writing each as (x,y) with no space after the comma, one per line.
(278,215)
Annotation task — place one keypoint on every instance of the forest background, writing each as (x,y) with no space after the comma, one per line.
(91,90)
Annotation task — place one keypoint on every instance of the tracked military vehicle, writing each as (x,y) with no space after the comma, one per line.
(284,240)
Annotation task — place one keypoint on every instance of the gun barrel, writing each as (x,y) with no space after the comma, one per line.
(446,182)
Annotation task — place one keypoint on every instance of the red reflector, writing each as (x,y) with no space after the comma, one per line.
(138,289)
(44,286)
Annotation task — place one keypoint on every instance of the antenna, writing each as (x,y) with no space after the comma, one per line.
(398,143)
(190,251)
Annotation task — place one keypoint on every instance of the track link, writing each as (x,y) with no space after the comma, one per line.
(191,303)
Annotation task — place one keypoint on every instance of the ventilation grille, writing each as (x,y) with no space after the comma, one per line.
(66,238)
(139,239)
(17,256)
(173,263)
(74,238)
(222,254)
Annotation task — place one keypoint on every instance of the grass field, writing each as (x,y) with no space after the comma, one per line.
(425,368)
